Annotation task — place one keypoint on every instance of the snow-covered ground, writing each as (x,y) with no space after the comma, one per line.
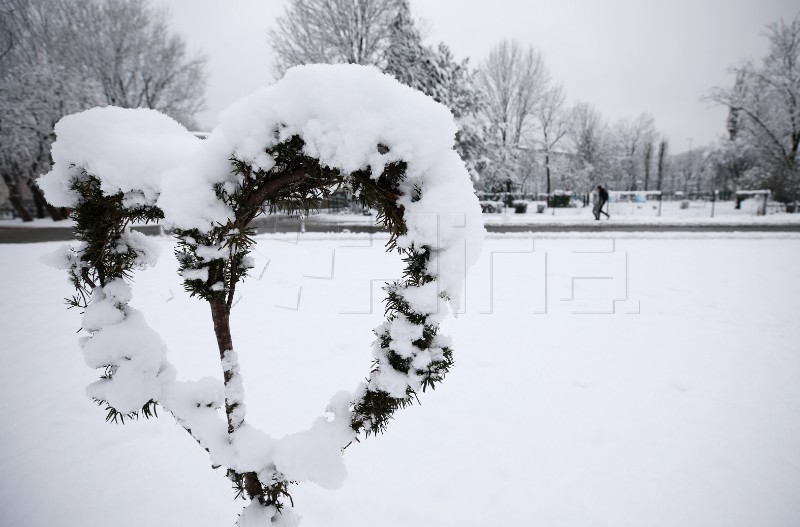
(678,403)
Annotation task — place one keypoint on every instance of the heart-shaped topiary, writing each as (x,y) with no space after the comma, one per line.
(285,147)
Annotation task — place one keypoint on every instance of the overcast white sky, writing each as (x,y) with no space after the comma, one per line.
(623,56)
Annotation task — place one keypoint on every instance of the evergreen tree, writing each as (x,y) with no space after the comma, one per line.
(436,73)
(408,61)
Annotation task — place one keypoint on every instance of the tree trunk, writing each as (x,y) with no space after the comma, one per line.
(220,315)
(662,152)
(547,170)
(21,211)
(15,199)
(42,204)
(222,330)
(648,156)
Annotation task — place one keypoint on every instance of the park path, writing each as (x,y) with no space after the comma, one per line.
(283,224)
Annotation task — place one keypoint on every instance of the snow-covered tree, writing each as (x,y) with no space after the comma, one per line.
(661,163)
(552,126)
(460,93)
(408,60)
(61,56)
(513,81)
(435,72)
(630,138)
(588,144)
(731,159)
(764,105)
(36,89)
(33,99)
(384,34)
(128,48)
(648,163)
(332,32)
(319,128)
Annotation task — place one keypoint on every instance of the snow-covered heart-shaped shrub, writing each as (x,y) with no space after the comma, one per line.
(282,148)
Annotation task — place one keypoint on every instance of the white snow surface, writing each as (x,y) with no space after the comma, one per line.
(683,414)
(257,515)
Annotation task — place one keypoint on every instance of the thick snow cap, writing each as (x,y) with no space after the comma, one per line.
(342,112)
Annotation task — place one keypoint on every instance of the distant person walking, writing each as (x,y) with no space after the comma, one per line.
(595,197)
(603,194)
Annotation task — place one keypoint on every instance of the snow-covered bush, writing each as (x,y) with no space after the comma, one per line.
(290,144)
(520,206)
(560,199)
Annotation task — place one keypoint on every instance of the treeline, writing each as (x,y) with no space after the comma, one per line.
(517,132)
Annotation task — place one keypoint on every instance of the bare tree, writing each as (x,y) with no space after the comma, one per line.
(661,164)
(332,32)
(33,100)
(63,56)
(124,47)
(630,138)
(514,81)
(128,49)
(648,162)
(37,87)
(552,125)
(587,134)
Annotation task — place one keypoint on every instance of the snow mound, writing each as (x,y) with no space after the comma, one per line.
(129,150)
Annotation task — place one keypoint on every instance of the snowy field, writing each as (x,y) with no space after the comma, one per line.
(638,380)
